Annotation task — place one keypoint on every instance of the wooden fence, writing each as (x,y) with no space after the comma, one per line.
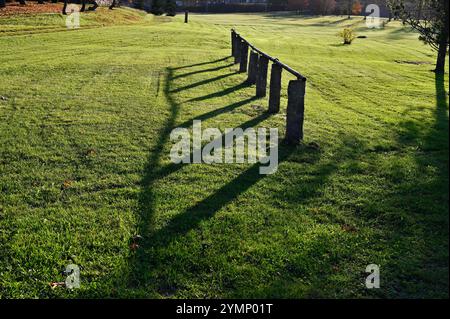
(257,68)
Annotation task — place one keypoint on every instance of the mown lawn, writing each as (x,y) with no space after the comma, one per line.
(84,161)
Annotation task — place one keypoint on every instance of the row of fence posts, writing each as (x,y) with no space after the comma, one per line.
(257,68)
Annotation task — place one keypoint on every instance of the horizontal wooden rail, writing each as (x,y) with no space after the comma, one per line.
(274,60)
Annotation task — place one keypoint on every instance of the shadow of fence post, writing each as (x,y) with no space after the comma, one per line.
(275,88)
(244,57)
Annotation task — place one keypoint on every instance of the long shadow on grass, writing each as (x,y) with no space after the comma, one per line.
(411,215)
(151,270)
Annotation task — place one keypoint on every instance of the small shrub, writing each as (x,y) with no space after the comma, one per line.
(348,35)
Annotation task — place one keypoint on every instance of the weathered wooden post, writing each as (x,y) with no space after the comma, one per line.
(237,57)
(186,16)
(244,57)
(261,78)
(252,68)
(295,111)
(275,88)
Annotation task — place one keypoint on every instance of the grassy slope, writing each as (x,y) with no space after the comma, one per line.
(94,108)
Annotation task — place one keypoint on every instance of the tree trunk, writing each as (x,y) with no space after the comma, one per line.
(364,11)
(349,8)
(22,2)
(443,43)
(64,12)
(83,5)
(113,4)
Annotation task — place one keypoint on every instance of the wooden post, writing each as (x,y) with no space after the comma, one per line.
(275,88)
(261,78)
(295,111)
(244,57)
(237,57)
(186,16)
(252,68)
(233,43)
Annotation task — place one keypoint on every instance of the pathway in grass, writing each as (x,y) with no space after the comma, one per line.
(85,163)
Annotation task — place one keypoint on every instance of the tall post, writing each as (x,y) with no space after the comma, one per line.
(252,68)
(233,43)
(186,16)
(244,57)
(275,88)
(295,111)
(237,57)
(261,78)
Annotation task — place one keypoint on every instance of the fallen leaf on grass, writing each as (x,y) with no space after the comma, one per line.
(90,152)
(349,228)
(134,246)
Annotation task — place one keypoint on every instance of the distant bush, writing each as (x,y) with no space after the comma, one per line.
(348,35)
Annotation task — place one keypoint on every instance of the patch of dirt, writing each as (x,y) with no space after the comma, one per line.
(30,8)
(412,62)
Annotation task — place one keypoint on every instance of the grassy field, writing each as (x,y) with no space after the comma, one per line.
(84,161)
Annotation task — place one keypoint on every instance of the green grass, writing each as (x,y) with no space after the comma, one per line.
(85,165)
